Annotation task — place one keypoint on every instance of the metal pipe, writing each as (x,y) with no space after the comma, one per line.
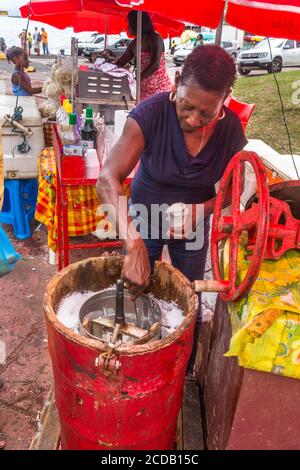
(105,36)
(220,29)
(138,56)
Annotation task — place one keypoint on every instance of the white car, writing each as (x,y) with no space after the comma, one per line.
(284,53)
(181,53)
(95,40)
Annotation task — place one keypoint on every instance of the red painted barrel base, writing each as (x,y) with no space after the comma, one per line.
(134,407)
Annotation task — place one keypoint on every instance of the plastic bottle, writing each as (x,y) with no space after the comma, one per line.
(89,132)
(65,122)
(60,109)
(72,143)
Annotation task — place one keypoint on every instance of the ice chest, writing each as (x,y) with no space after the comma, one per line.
(18,165)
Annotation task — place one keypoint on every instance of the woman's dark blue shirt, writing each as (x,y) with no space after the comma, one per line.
(167,173)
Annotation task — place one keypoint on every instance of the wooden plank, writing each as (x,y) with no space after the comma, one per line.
(193,438)
(48,436)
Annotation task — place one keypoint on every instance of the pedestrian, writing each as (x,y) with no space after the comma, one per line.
(21,83)
(29,39)
(23,39)
(199,41)
(2,45)
(37,38)
(45,42)
(173,45)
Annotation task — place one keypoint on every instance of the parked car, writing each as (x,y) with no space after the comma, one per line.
(181,54)
(230,47)
(95,41)
(284,53)
(116,46)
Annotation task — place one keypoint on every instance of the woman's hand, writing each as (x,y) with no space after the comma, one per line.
(136,269)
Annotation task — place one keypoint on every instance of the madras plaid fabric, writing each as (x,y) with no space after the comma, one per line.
(82,202)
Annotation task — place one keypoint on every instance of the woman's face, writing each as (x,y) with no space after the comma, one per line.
(196,108)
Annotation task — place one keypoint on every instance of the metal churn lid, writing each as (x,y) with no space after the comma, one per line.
(139,321)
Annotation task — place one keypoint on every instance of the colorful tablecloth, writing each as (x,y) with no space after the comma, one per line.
(82,202)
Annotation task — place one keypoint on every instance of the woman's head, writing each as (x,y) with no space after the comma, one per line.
(200,37)
(147,25)
(17,56)
(207,78)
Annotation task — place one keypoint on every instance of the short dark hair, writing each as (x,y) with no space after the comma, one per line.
(209,67)
(147,25)
(14,52)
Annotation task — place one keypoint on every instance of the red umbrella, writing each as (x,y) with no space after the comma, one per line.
(272,18)
(102,16)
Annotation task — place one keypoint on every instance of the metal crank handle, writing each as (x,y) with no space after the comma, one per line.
(209,285)
(26,131)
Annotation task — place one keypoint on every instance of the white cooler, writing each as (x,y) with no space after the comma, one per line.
(18,165)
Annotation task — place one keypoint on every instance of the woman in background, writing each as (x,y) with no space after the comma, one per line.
(21,83)
(154,76)
(199,41)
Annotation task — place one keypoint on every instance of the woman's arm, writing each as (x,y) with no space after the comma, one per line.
(128,55)
(19,80)
(156,48)
(122,160)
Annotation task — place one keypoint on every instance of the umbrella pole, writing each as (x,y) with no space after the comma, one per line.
(138,56)
(105,35)
(220,29)
(74,52)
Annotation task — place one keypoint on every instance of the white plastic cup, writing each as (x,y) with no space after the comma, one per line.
(92,171)
(91,157)
(250,185)
(91,164)
(177,215)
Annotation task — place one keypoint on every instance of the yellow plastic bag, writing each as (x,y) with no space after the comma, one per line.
(275,346)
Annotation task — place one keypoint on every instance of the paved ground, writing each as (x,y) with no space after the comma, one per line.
(27,370)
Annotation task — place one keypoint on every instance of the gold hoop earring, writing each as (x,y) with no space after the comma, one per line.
(172,96)
(222,116)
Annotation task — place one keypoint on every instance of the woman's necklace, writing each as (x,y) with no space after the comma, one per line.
(202,139)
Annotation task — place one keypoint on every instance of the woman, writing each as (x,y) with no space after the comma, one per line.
(154,76)
(199,41)
(184,141)
(21,83)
